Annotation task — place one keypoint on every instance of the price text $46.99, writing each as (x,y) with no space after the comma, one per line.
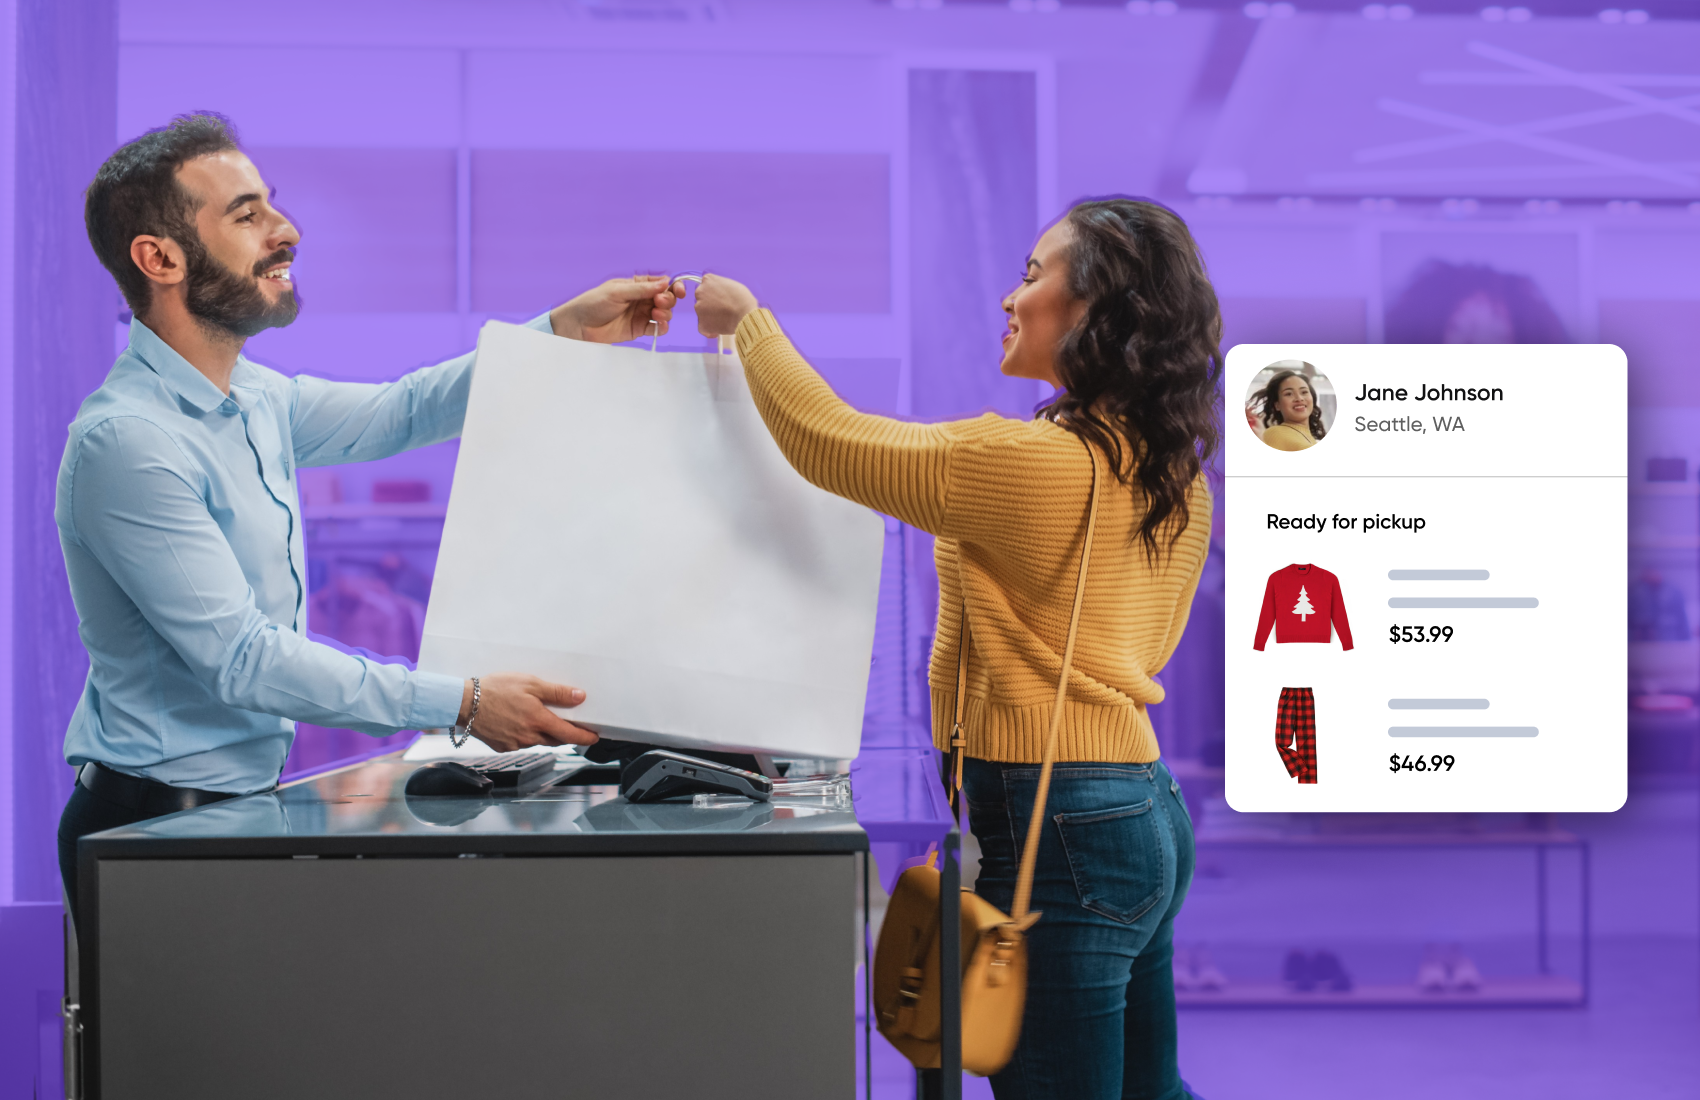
(1408,763)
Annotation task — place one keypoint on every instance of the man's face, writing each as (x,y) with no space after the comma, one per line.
(238,272)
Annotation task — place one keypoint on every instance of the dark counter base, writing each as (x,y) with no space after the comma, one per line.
(627,977)
(334,938)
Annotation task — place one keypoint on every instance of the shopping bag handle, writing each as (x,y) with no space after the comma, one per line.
(695,277)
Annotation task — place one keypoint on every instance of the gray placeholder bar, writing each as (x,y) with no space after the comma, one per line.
(1463,731)
(1437,704)
(1437,574)
(1463,601)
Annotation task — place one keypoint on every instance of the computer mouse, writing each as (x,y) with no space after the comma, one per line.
(447,777)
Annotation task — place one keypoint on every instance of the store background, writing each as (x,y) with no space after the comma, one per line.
(877,171)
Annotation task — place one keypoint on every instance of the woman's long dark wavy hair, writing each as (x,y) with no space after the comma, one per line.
(1272,401)
(1141,372)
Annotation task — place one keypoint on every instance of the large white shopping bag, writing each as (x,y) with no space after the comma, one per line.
(621,521)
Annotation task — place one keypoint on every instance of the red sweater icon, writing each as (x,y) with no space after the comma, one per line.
(1302,602)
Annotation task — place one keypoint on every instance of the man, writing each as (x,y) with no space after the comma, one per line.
(179,516)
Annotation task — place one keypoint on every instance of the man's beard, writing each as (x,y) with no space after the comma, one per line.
(221,299)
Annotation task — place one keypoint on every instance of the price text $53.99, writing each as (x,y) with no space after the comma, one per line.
(1397,634)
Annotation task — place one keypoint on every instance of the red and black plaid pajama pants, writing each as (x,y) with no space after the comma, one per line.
(1295,733)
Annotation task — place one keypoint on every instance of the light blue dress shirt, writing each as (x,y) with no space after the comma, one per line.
(181,525)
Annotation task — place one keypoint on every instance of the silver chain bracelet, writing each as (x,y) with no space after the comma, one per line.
(461,734)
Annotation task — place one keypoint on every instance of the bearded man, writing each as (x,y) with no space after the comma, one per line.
(180,519)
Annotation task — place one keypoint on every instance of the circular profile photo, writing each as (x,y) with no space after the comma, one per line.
(1290,405)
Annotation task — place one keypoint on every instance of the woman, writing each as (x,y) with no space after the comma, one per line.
(1114,310)
(1447,303)
(1291,419)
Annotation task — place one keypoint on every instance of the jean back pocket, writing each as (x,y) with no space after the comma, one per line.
(1117,859)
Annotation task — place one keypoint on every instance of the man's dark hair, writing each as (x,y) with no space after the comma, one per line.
(137,192)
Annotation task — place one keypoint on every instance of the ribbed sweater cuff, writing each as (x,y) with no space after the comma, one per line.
(1016,735)
(754,328)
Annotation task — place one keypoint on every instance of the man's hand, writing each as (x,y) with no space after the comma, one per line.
(513,712)
(721,304)
(616,311)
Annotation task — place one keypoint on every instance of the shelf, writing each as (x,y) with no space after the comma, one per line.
(371,542)
(1535,992)
(1226,838)
(359,510)
(1665,489)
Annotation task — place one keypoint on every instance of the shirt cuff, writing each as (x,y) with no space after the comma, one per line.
(541,324)
(436,700)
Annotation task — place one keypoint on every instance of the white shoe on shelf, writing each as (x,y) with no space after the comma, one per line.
(1463,974)
(1432,976)
(1206,975)
(1186,978)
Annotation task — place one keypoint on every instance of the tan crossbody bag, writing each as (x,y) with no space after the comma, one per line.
(994,946)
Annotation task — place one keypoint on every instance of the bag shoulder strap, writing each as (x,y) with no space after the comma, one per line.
(953,782)
(1030,851)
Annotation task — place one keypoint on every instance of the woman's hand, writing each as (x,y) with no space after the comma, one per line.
(513,712)
(616,311)
(721,304)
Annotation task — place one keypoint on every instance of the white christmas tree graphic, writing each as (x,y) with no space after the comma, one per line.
(1303,609)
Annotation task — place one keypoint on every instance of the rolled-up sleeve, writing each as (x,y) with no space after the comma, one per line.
(135,505)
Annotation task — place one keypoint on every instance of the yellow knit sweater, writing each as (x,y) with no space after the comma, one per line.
(1007,501)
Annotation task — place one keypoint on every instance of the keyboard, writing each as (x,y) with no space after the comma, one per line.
(512,770)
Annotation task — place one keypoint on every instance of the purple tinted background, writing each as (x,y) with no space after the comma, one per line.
(877,171)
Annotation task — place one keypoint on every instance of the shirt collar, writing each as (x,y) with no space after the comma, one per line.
(246,377)
(190,384)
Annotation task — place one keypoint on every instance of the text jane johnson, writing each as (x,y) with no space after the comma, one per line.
(1425,392)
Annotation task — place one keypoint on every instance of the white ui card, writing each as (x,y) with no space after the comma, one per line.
(1427,578)
(621,521)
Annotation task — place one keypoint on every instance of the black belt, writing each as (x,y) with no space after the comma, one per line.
(144,796)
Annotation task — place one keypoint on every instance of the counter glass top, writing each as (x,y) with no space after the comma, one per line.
(364,811)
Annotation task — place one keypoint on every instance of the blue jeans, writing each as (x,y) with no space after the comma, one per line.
(1115,861)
